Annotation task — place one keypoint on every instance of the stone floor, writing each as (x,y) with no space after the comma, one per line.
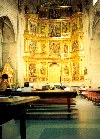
(85,125)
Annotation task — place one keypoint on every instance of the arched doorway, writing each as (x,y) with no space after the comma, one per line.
(54,73)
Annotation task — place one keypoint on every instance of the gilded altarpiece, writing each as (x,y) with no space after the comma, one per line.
(54,49)
(33,46)
(66,72)
(43,29)
(53,44)
(7,69)
(43,47)
(55,29)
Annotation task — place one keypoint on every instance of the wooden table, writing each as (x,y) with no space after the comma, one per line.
(14,107)
(50,94)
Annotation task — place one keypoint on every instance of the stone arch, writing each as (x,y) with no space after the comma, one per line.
(7,45)
(96,24)
(7,29)
(12,21)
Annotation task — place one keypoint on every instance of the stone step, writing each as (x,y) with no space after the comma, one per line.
(50,113)
(49,110)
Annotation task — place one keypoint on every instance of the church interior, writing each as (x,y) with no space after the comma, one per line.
(50,44)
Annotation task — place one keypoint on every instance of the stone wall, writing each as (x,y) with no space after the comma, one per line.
(12,32)
(92,46)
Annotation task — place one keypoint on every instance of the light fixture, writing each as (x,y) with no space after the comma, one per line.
(57,4)
(64,6)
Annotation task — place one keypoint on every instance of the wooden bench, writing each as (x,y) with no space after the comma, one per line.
(92,95)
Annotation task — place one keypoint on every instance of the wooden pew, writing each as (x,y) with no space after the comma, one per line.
(95,96)
(92,95)
(51,97)
(83,93)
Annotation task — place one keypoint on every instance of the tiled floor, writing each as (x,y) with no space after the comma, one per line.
(86,125)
